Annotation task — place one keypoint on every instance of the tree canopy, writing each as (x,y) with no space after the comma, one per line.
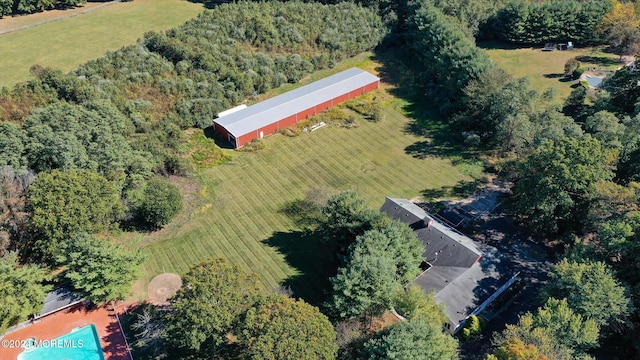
(555,330)
(213,295)
(161,202)
(412,339)
(345,217)
(22,290)
(554,184)
(364,287)
(99,270)
(72,202)
(396,241)
(277,327)
(592,290)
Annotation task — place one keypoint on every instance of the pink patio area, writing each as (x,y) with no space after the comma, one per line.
(62,322)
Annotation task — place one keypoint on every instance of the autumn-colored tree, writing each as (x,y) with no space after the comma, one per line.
(621,27)
(516,349)
(13,207)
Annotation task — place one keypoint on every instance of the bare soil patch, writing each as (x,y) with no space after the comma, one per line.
(164,286)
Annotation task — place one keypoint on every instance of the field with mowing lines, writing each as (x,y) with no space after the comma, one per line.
(240,214)
(67,43)
(545,68)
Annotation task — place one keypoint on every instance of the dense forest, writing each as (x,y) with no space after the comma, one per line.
(88,152)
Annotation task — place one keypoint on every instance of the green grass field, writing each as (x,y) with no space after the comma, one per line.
(545,68)
(67,43)
(238,212)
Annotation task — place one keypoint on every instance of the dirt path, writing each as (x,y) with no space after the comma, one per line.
(20,22)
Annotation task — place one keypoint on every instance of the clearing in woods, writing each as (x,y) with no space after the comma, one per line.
(67,43)
(545,68)
(239,213)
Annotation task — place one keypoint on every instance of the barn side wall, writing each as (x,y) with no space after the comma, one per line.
(294,119)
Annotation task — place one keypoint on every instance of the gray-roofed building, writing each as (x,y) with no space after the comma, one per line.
(58,299)
(462,273)
(269,116)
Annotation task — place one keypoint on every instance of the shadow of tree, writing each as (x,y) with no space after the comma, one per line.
(440,139)
(462,189)
(553,76)
(501,45)
(307,252)
(210,4)
(598,60)
(114,342)
(302,212)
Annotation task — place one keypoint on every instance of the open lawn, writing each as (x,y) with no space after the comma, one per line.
(239,212)
(545,68)
(67,43)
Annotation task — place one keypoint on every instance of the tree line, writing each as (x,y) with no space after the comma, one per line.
(20,7)
(86,154)
(573,167)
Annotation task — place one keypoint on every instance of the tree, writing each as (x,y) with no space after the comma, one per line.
(22,290)
(101,271)
(606,127)
(450,59)
(570,68)
(213,295)
(554,184)
(65,136)
(5,7)
(345,217)
(161,202)
(363,287)
(412,339)
(14,213)
(12,146)
(556,330)
(277,327)
(68,203)
(516,349)
(413,303)
(592,290)
(398,242)
(621,27)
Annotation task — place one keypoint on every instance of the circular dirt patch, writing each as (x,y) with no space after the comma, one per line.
(162,287)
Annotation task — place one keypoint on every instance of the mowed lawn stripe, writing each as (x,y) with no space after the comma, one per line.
(248,194)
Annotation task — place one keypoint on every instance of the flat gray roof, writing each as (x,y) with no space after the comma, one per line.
(58,299)
(290,103)
(459,280)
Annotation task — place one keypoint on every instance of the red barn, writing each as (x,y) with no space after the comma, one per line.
(269,116)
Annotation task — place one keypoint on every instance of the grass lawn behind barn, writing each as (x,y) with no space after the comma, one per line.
(545,68)
(239,212)
(67,43)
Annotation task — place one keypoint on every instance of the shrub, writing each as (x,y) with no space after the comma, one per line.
(161,202)
(473,326)
(578,72)
(570,67)
(254,145)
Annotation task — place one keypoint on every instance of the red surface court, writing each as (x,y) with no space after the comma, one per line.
(62,322)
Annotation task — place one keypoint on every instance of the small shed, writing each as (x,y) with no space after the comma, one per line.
(267,117)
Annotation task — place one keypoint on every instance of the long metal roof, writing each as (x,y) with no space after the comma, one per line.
(290,103)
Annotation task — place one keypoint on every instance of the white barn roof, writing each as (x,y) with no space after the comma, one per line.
(282,106)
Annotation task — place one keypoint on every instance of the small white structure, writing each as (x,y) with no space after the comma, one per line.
(232,110)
